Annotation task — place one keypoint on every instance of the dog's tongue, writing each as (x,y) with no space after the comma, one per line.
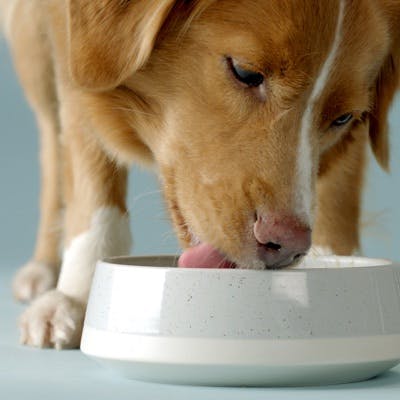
(203,256)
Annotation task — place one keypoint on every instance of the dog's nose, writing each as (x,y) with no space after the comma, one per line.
(281,239)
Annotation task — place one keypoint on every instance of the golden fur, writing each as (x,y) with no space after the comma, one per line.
(114,82)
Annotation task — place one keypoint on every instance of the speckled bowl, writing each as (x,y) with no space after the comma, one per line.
(331,320)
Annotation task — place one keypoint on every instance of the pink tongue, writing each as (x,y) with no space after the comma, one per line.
(203,256)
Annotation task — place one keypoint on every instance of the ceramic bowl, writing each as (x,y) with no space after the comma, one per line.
(330,320)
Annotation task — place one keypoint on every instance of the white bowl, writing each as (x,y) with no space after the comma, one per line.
(331,320)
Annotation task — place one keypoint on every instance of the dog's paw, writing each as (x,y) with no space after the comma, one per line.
(33,279)
(52,320)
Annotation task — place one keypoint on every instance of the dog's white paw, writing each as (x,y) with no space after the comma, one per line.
(33,279)
(52,320)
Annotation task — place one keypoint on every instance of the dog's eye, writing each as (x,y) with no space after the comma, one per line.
(343,119)
(249,78)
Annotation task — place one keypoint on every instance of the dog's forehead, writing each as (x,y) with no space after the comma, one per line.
(297,35)
(276,30)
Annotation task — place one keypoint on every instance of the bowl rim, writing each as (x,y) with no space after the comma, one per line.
(148,261)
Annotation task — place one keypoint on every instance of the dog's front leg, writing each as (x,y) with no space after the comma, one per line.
(337,226)
(96,226)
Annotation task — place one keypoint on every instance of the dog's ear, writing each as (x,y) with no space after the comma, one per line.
(111,39)
(387,84)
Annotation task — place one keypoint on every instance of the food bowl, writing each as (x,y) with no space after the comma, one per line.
(330,320)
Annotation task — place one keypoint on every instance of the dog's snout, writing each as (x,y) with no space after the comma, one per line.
(281,239)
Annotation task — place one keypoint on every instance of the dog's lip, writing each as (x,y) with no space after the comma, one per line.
(204,255)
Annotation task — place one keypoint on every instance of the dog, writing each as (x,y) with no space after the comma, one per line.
(256,116)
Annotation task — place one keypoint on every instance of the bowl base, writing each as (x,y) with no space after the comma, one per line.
(255,376)
(235,362)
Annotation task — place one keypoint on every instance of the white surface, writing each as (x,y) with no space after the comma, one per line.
(229,362)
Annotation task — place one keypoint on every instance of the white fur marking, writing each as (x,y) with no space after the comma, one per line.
(304,162)
(108,235)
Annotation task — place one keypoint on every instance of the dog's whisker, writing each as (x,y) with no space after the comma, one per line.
(143,195)
(222,261)
(167,235)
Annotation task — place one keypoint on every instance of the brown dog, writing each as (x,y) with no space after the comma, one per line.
(255,114)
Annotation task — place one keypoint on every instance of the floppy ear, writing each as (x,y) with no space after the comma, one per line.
(111,39)
(387,84)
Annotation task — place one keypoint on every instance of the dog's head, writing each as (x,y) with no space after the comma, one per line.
(238,102)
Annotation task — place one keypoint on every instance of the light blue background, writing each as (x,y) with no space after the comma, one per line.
(28,373)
